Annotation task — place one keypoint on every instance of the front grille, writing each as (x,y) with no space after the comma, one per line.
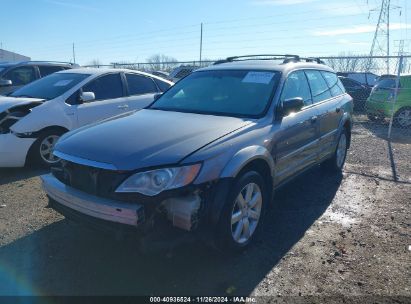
(91,180)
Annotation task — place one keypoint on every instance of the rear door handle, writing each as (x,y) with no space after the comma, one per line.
(314,119)
(338,110)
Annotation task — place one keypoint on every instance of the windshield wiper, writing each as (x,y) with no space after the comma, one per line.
(28,96)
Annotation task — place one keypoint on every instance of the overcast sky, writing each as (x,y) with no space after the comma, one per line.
(132,30)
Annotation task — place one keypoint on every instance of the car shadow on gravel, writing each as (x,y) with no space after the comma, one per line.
(64,258)
(10,175)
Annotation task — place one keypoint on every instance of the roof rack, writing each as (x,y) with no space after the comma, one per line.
(47,61)
(286,58)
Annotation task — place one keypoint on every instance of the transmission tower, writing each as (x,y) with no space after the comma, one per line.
(381,42)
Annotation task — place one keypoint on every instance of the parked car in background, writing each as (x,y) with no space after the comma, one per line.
(34,117)
(384,76)
(358,92)
(15,75)
(161,74)
(380,104)
(207,155)
(366,78)
(181,72)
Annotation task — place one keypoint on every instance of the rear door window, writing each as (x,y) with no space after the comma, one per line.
(138,84)
(296,86)
(319,88)
(21,75)
(106,87)
(50,69)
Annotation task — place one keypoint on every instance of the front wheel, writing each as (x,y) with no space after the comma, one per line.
(41,153)
(242,214)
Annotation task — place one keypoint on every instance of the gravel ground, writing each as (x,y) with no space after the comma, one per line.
(330,237)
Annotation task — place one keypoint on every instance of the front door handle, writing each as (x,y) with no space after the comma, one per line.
(123,107)
(314,119)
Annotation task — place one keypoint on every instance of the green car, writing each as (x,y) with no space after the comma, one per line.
(380,104)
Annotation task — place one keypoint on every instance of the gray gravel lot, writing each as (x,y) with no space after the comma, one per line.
(330,236)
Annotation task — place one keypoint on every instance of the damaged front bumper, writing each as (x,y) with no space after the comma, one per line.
(181,210)
(13,150)
(65,197)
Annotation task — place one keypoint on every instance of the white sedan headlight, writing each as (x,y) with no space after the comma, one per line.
(156,181)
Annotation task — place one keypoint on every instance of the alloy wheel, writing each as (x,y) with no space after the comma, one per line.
(341,150)
(246,213)
(47,148)
(404,118)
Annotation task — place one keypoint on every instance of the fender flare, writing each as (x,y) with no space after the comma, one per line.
(222,189)
(243,157)
(346,118)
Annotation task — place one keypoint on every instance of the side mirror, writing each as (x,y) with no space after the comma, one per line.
(292,105)
(5,83)
(157,96)
(87,96)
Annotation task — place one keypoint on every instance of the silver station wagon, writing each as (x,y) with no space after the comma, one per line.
(206,155)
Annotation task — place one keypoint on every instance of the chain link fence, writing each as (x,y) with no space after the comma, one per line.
(381,90)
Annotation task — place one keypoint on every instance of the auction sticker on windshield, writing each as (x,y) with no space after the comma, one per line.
(258,77)
(62,83)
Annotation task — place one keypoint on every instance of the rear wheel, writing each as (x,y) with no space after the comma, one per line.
(402,118)
(336,163)
(41,153)
(242,214)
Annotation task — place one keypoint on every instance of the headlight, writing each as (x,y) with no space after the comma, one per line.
(156,181)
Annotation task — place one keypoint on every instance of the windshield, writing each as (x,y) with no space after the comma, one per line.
(387,83)
(50,86)
(230,93)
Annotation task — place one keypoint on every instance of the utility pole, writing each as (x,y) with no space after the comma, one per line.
(74,54)
(201,42)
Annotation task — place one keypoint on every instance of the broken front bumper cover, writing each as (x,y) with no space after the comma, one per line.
(92,206)
(14,150)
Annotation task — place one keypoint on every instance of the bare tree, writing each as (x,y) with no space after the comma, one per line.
(161,62)
(126,65)
(95,62)
(353,63)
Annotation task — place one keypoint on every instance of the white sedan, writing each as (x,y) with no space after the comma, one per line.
(34,117)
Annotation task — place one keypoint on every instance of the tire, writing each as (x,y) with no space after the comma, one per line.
(402,119)
(337,161)
(45,142)
(235,217)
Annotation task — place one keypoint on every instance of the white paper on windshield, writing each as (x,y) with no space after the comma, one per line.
(258,77)
(62,83)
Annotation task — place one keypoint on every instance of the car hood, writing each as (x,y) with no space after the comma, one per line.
(10,102)
(145,139)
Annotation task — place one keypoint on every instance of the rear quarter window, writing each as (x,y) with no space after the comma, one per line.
(332,82)
(319,88)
